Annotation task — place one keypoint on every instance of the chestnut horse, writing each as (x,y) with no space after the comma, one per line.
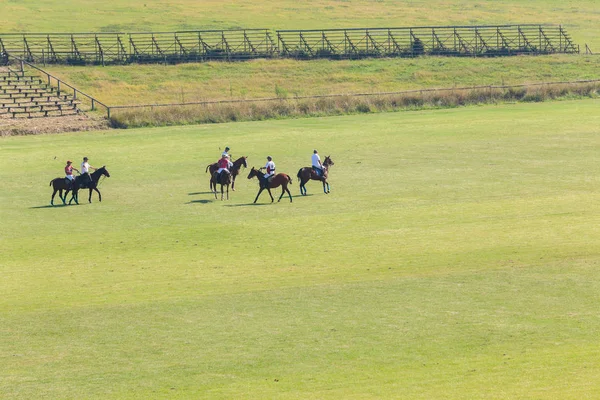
(60,184)
(235,170)
(278,180)
(307,173)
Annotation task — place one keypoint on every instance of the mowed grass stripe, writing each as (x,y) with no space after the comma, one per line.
(455,257)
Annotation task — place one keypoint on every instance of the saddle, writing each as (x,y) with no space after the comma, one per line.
(317,172)
(83,181)
(267,181)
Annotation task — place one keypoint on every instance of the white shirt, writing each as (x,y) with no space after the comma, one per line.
(316,160)
(224,154)
(85,167)
(270,166)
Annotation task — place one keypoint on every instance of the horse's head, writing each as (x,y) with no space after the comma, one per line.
(244,161)
(103,171)
(99,172)
(328,161)
(253,173)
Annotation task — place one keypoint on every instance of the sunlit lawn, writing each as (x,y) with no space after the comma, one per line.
(456,257)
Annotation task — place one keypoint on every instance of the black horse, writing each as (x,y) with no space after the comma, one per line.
(80,182)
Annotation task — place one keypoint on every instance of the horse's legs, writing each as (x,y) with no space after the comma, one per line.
(232,183)
(269,190)
(324,189)
(65,198)
(227,192)
(284,189)
(90,196)
(52,199)
(74,196)
(258,194)
(222,193)
(99,195)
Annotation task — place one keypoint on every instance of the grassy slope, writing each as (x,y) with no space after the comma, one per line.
(580,17)
(456,257)
(150,84)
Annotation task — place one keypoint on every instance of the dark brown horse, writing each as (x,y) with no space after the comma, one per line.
(223,180)
(278,180)
(307,173)
(60,184)
(235,171)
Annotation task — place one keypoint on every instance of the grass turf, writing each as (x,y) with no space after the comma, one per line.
(456,257)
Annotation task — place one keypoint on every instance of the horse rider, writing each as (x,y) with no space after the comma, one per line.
(226,152)
(270,171)
(69,173)
(317,166)
(224,165)
(85,172)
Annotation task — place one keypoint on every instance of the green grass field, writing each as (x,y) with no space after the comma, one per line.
(456,257)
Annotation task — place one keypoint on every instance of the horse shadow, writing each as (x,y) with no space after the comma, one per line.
(54,206)
(248,204)
(203,201)
(197,193)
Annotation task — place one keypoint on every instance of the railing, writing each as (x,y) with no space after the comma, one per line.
(139,47)
(410,42)
(230,45)
(60,85)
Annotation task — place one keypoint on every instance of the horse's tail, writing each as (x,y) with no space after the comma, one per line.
(299,174)
(52,181)
(207,167)
(289,178)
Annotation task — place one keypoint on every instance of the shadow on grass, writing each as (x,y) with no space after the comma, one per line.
(201,201)
(56,206)
(248,204)
(196,193)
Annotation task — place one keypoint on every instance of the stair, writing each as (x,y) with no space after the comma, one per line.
(27,96)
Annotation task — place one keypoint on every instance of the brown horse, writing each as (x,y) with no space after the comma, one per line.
(235,171)
(278,180)
(60,184)
(224,180)
(307,173)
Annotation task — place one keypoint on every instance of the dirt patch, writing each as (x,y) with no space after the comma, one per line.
(44,125)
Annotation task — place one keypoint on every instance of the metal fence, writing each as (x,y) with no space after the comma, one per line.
(231,45)
(140,47)
(410,42)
